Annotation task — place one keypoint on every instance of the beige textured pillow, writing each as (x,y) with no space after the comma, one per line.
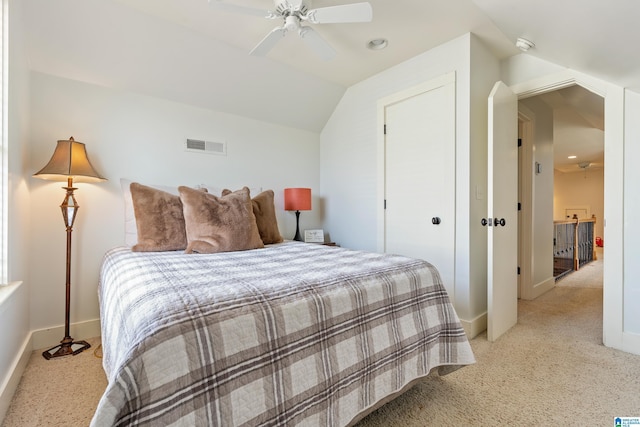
(159,220)
(219,224)
(265,212)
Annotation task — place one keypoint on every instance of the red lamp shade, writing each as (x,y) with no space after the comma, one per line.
(297,199)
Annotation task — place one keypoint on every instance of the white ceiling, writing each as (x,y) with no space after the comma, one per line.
(187,51)
(594,36)
(411,26)
(578,128)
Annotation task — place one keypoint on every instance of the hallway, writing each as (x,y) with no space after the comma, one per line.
(589,276)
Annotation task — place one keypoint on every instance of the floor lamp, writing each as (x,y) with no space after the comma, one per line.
(297,199)
(69,162)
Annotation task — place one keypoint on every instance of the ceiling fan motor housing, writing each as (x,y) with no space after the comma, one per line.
(284,8)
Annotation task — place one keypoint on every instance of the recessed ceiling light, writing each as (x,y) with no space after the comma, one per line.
(571,157)
(377,44)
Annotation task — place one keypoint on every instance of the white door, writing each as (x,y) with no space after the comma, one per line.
(502,217)
(420,176)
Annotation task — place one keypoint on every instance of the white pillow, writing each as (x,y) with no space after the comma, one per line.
(130,227)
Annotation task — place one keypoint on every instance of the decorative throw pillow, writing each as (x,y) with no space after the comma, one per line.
(265,212)
(130,226)
(159,220)
(219,224)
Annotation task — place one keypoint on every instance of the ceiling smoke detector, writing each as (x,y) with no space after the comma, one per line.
(377,44)
(524,44)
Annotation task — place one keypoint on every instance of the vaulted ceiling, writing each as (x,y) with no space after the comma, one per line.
(188,51)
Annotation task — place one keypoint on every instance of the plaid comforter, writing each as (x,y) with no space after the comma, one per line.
(292,334)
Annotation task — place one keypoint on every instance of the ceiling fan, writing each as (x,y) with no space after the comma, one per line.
(296,12)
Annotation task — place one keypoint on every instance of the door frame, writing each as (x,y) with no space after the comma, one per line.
(613,280)
(526,121)
(436,99)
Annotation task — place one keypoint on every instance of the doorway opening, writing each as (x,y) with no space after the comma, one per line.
(613,333)
(561,173)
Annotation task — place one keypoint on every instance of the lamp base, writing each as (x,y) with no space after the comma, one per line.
(297,237)
(66,347)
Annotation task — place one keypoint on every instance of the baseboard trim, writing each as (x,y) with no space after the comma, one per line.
(46,338)
(475,326)
(10,386)
(543,287)
(631,343)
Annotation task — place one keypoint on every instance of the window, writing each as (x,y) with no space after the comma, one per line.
(4,174)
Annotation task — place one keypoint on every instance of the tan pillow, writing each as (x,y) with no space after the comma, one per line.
(130,226)
(265,212)
(219,224)
(159,220)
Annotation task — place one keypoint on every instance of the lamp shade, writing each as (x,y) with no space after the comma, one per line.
(69,160)
(297,199)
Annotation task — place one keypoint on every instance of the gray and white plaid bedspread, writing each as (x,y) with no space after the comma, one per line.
(292,334)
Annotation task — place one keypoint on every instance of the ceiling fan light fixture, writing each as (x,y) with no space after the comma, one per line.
(292,23)
(377,44)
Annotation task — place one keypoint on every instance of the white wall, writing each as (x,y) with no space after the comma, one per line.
(14,299)
(140,138)
(631,214)
(348,153)
(584,188)
(485,71)
(524,67)
(351,165)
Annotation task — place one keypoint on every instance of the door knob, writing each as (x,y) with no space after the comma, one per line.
(498,222)
(486,222)
(435,220)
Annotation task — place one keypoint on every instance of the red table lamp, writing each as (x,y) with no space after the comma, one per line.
(297,199)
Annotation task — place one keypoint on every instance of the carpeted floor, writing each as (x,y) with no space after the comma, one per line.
(589,275)
(58,392)
(550,369)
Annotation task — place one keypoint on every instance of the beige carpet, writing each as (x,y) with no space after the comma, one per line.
(588,276)
(58,392)
(550,369)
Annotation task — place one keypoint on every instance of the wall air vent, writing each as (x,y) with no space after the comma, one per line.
(207,147)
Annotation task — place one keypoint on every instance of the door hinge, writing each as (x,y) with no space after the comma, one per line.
(385,129)
(385,203)
(519,142)
(519,206)
(518,271)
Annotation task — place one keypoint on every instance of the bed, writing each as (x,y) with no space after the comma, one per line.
(209,319)
(289,334)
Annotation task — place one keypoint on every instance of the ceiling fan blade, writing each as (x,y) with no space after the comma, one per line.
(221,5)
(317,43)
(268,42)
(355,12)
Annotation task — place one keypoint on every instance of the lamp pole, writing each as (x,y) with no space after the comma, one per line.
(67,346)
(69,161)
